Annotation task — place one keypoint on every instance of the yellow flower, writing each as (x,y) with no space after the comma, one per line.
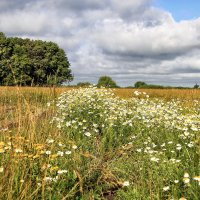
(36,156)
(39,146)
(30,156)
(2,150)
(54,168)
(54,156)
(2,144)
(42,152)
(1,169)
(197,178)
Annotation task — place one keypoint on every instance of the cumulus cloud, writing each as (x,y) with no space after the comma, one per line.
(129,40)
(138,39)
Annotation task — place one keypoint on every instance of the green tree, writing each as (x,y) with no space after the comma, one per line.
(196,86)
(29,62)
(140,84)
(107,82)
(83,84)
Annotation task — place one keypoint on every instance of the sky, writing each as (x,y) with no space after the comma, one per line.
(156,41)
(180,9)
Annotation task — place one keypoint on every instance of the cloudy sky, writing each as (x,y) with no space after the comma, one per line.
(156,41)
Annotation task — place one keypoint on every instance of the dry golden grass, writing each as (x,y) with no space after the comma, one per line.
(188,94)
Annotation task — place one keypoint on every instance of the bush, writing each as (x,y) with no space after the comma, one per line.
(107,82)
(83,84)
(140,84)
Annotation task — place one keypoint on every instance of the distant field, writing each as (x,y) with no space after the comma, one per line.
(188,94)
(95,144)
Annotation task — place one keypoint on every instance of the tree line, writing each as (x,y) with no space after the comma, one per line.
(108,82)
(32,62)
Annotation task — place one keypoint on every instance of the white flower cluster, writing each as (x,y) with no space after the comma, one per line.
(90,110)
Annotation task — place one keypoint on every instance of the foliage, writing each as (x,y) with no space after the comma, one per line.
(83,84)
(28,62)
(143,85)
(140,84)
(153,86)
(196,86)
(107,82)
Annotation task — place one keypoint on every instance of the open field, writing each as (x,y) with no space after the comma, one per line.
(98,144)
(188,94)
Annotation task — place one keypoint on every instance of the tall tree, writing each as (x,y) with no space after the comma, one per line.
(107,82)
(29,62)
(196,86)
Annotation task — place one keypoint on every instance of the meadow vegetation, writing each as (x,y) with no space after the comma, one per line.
(89,143)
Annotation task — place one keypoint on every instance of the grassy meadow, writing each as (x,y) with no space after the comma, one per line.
(89,143)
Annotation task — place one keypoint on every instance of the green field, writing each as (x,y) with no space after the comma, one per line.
(89,143)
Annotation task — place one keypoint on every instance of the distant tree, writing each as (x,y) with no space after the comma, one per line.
(196,86)
(140,84)
(107,82)
(2,35)
(83,84)
(29,62)
(151,86)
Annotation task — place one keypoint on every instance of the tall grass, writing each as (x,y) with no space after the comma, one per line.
(185,94)
(90,144)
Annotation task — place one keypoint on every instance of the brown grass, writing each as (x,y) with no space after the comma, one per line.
(188,94)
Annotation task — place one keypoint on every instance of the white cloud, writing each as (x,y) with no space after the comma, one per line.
(136,39)
(24,22)
(128,40)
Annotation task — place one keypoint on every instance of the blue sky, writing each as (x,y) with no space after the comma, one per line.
(180,9)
